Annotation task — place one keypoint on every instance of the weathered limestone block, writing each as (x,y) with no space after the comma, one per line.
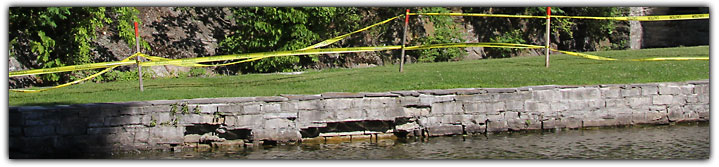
(669,90)
(474,107)
(610,92)
(520,96)
(576,104)
(415,111)
(37,131)
(352,114)
(497,126)
(301,97)
(408,127)
(72,126)
(282,115)
(337,104)
(473,119)
(580,93)
(494,107)
(123,120)
(409,101)
(445,130)
(650,117)
(309,105)
(535,106)
(609,103)
(446,108)
(475,128)
(662,99)
(649,90)
(636,102)
(631,92)
(244,121)
(271,108)
(546,95)
(166,135)
(514,105)
(558,106)
(282,130)
(701,89)
(686,89)
(429,121)
(305,118)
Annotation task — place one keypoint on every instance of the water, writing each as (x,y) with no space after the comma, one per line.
(685,141)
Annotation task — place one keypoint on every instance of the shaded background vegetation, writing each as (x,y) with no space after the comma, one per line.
(59,36)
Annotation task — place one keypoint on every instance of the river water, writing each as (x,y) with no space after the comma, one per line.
(683,141)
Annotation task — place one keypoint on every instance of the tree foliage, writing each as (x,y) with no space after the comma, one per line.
(262,29)
(444,30)
(58,36)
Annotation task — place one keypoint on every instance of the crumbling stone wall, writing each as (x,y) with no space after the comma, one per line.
(78,130)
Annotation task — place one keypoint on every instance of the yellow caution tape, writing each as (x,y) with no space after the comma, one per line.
(77,81)
(338,38)
(622,18)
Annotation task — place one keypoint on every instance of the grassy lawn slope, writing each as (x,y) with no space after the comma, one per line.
(509,72)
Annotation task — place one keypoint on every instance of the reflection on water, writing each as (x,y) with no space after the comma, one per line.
(686,141)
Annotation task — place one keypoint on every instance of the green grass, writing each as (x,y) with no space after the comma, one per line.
(509,72)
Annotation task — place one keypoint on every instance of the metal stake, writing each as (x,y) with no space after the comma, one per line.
(137,61)
(546,44)
(404,39)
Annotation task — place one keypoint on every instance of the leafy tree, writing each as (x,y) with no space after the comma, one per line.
(58,36)
(262,29)
(444,30)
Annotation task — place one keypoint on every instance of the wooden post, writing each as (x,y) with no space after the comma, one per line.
(546,43)
(404,39)
(137,60)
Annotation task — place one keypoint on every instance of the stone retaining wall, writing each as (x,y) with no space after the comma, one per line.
(76,130)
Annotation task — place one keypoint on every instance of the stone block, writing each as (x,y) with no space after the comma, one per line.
(649,117)
(166,135)
(615,103)
(442,99)
(354,114)
(37,131)
(337,104)
(514,105)
(546,95)
(301,97)
(475,128)
(669,90)
(649,90)
(446,108)
(580,93)
(406,93)
(104,130)
(534,106)
(610,92)
(599,122)
(686,89)
(270,108)
(494,107)
(192,138)
(636,102)
(474,119)
(269,99)
(576,104)
(206,108)
(631,92)
(474,107)
(500,90)
(244,121)
(662,99)
(445,130)
(595,104)
(558,106)
(701,89)
(123,120)
(497,126)
(280,115)
(415,111)
(335,95)
(409,101)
